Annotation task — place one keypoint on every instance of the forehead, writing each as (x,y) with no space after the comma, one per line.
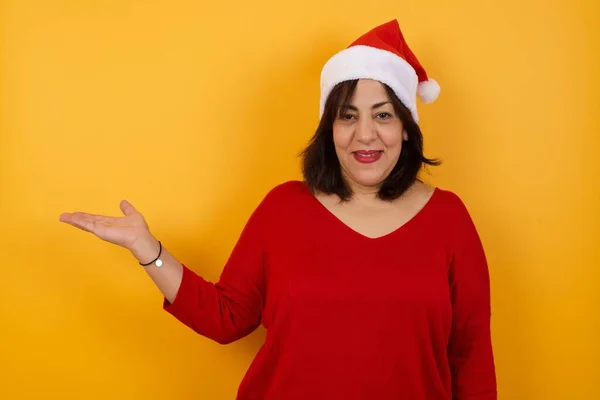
(369,91)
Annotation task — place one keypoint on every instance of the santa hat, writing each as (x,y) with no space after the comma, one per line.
(383,55)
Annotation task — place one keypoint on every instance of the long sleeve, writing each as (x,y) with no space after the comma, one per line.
(470,349)
(231,308)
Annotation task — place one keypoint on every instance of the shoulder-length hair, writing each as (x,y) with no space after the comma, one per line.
(321,167)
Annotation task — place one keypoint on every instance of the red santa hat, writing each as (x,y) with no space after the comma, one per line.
(381,54)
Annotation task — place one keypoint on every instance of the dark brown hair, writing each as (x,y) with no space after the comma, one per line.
(321,167)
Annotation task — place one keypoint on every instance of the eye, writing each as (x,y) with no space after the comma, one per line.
(384,115)
(346,117)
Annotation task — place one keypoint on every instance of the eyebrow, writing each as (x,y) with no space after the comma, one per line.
(374,106)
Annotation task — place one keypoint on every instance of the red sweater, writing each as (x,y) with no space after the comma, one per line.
(405,316)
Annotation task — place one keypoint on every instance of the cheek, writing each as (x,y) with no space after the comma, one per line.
(393,140)
(341,139)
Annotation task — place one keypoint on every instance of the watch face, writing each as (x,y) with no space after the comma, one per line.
(159,263)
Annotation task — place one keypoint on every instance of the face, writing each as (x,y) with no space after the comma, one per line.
(368,136)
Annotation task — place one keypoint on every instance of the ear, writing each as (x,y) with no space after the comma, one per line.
(405,135)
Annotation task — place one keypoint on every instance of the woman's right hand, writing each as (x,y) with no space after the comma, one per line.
(129,231)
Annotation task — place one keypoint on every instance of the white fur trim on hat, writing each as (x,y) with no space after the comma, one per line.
(365,62)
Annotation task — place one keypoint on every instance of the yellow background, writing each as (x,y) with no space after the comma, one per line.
(193,110)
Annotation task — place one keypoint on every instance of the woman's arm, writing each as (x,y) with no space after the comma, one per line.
(223,311)
(470,349)
(228,309)
(167,277)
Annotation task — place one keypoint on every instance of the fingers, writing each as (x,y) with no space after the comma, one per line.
(80,220)
(94,223)
(127,208)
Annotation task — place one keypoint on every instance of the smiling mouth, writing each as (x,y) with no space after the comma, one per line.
(367,156)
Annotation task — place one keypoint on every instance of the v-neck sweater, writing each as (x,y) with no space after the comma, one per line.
(402,316)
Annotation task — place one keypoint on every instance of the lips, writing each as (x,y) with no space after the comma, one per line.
(367,156)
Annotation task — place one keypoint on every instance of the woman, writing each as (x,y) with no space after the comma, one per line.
(370,283)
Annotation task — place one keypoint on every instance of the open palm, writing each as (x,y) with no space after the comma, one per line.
(122,231)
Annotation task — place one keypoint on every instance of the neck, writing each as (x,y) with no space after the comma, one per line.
(368,194)
(364,194)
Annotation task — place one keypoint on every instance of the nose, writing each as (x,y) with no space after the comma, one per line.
(365,131)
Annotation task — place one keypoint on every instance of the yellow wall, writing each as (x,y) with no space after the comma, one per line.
(193,111)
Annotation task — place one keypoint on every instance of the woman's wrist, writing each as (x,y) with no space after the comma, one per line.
(145,248)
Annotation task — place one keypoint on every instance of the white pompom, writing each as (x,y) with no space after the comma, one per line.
(428,91)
